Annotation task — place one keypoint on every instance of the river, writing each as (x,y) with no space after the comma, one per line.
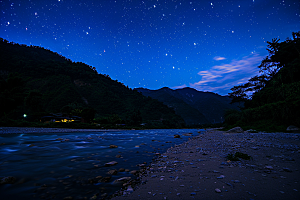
(65,165)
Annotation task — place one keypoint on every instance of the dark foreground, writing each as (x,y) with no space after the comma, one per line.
(198,169)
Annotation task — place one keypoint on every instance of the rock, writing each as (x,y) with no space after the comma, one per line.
(121,170)
(176,136)
(122,180)
(235,130)
(129,189)
(68,198)
(104,195)
(289,159)
(193,193)
(93,197)
(134,172)
(217,190)
(287,170)
(251,131)
(8,180)
(113,146)
(221,177)
(105,179)
(293,128)
(112,163)
(269,167)
(113,172)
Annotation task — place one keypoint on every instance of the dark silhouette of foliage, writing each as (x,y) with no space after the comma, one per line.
(275,94)
(56,84)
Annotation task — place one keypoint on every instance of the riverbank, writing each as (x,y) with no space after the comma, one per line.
(199,169)
(22,130)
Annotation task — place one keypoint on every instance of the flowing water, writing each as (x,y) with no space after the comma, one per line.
(59,165)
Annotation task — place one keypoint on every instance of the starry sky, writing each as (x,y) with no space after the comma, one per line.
(209,45)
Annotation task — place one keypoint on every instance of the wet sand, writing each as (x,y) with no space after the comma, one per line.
(198,169)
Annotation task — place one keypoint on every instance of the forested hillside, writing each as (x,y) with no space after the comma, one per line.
(195,107)
(36,81)
(272,99)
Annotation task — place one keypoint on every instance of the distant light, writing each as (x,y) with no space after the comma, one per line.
(24,115)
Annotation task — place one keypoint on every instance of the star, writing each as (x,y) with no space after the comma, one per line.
(150,38)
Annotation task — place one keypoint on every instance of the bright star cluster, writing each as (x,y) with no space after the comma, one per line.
(207,45)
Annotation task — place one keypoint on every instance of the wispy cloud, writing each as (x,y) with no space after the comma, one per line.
(221,78)
(219,58)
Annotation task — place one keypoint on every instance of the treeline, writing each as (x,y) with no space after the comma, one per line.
(271,99)
(37,82)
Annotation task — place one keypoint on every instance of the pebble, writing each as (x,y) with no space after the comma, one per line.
(221,177)
(269,167)
(217,190)
(129,189)
(287,170)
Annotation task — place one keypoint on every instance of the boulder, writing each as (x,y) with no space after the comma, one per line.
(176,136)
(293,128)
(113,146)
(235,130)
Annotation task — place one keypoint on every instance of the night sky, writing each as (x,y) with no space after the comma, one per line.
(205,44)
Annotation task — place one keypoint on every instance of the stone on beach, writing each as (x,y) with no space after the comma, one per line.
(176,136)
(269,167)
(194,164)
(122,180)
(217,190)
(235,130)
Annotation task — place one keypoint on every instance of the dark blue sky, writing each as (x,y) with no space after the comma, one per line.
(205,44)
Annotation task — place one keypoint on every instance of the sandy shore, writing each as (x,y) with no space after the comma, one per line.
(20,130)
(198,169)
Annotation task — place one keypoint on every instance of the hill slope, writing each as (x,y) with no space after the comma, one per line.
(193,106)
(36,81)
